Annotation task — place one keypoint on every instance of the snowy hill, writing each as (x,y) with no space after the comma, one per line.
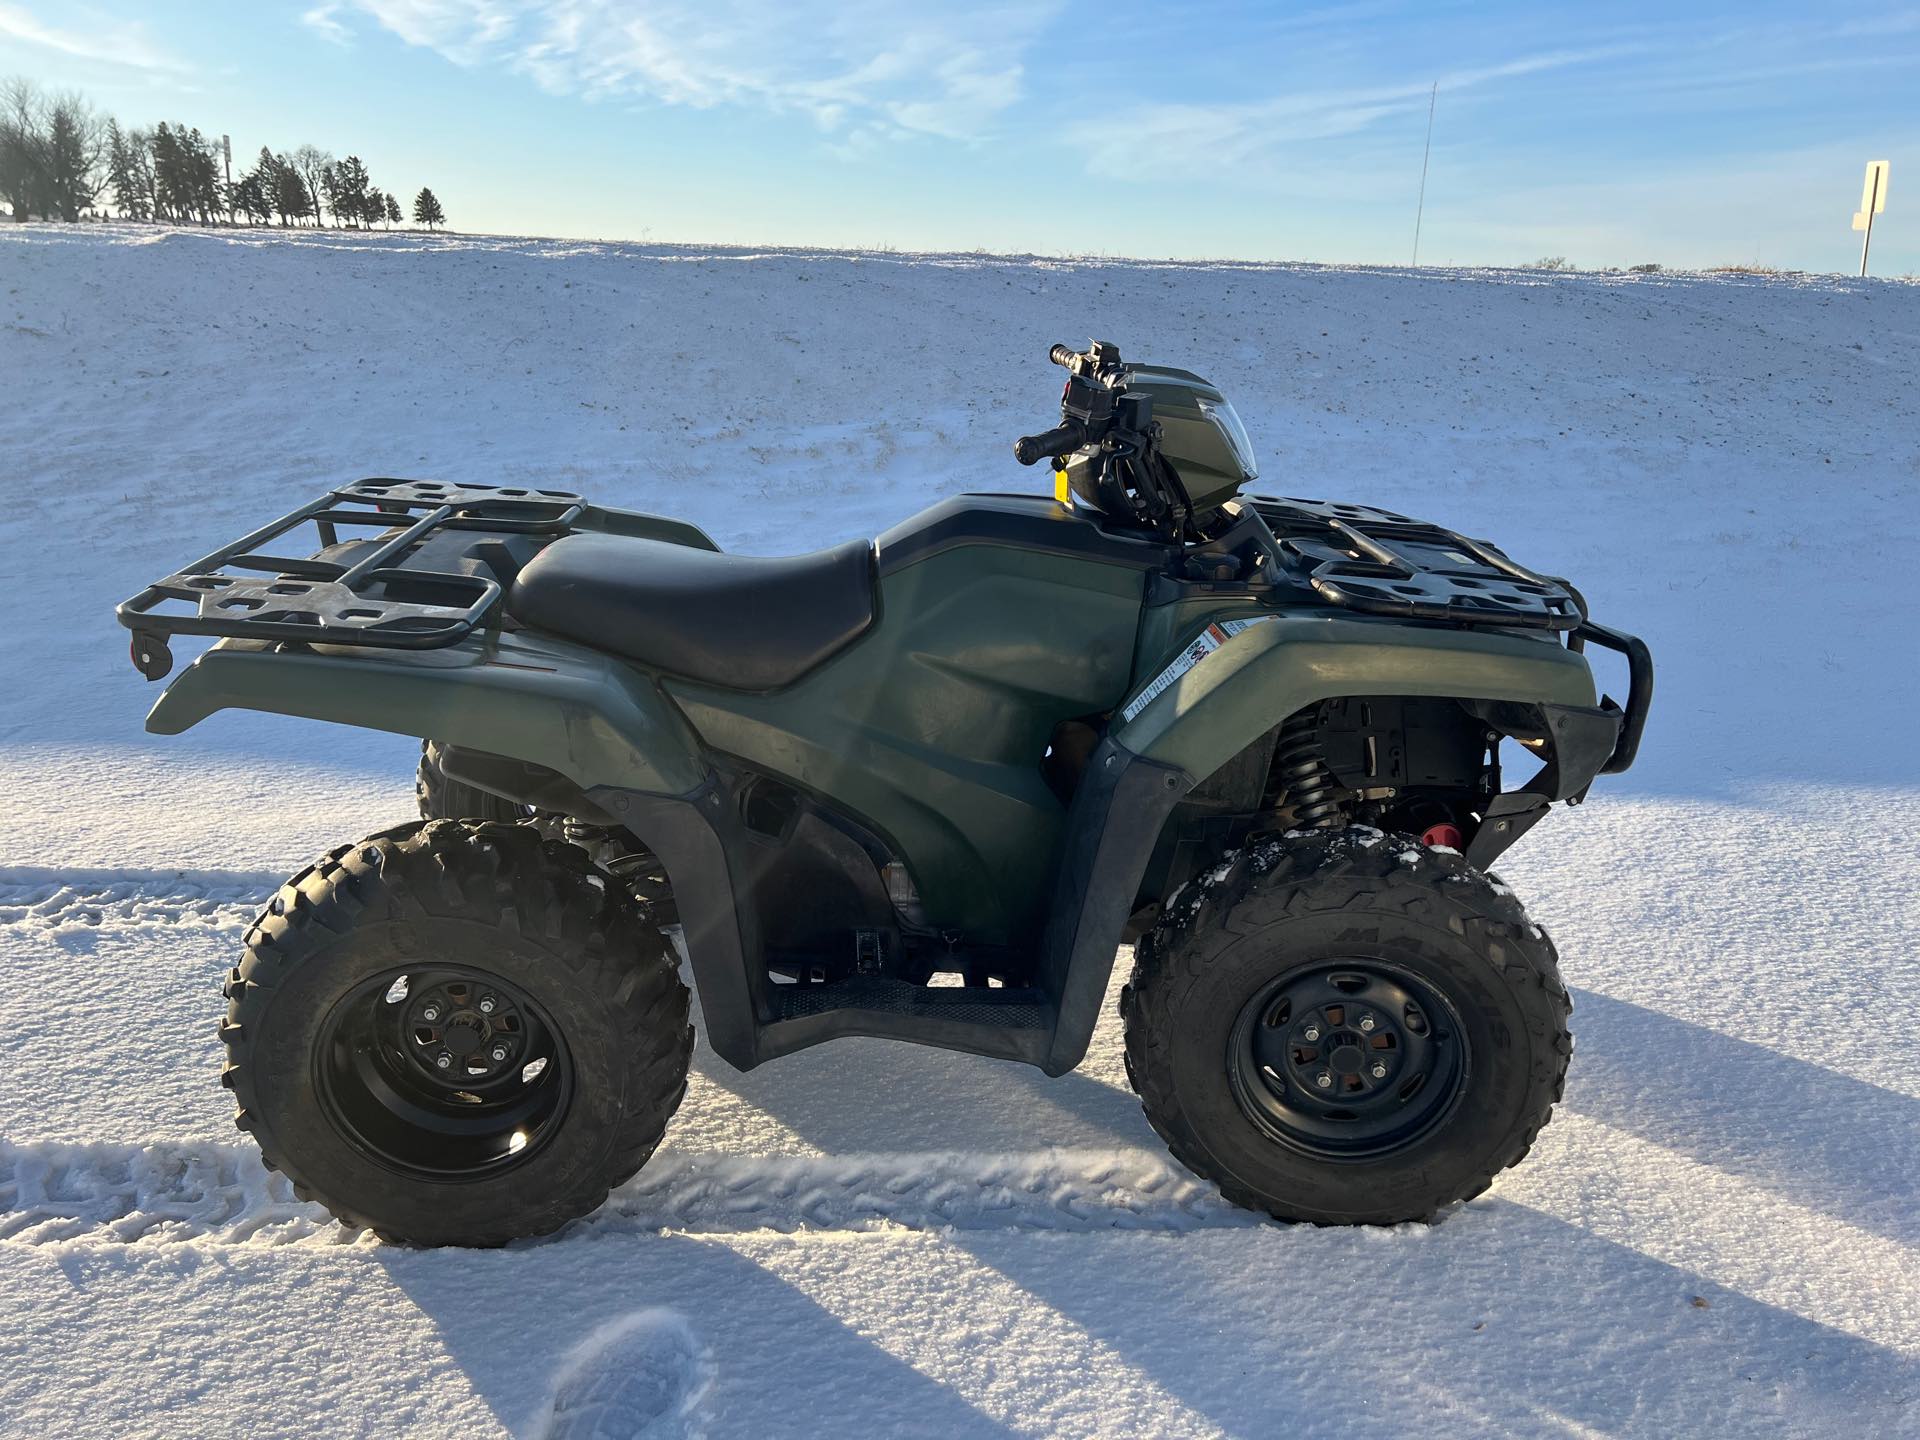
(1716,1236)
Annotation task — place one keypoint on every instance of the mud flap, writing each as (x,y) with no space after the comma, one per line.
(1115,820)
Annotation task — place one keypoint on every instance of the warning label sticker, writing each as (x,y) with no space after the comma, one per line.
(1203,645)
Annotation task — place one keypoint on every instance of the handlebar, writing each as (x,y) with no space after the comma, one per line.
(1086,404)
(1029,449)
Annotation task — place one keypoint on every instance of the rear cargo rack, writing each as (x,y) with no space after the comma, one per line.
(1380,563)
(370,596)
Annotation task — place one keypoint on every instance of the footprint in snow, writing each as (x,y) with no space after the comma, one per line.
(641,1377)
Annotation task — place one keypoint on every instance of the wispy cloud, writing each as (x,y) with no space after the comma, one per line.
(109,44)
(1899,22)
(324,21)
(868,68)
(1231,136)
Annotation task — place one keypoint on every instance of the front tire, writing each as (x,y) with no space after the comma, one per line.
(1347,1028)
(456,1033)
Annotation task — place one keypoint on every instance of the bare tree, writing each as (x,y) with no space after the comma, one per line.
(312,163)
(23,158)
(140,148)
(51,152)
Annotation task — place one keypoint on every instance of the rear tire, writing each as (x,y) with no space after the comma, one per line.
(443,798)
(443,949)
(1347,1028)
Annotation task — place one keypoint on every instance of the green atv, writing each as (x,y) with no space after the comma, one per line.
(922,788)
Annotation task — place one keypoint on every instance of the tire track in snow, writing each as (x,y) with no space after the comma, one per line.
(221,1194)
(124,1194)
(1034,1190)
(52,900)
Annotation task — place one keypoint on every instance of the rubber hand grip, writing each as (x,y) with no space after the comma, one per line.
(1058,441)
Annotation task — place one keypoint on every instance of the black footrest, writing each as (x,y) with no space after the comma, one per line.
(1012,1009)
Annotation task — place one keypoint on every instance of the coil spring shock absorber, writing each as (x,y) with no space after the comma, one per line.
(639,870)
(1306,785)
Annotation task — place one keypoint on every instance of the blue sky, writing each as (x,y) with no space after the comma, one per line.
(1683,134)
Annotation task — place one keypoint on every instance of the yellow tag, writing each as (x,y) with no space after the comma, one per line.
(1060,491)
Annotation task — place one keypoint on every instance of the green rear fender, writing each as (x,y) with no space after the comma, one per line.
(596,721)
(1258,677)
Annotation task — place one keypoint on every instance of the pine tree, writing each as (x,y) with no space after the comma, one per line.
(168,201)
(64,166)
(73,157)
(265,180)
(124,175)
(394,217)
(203,176)
(426,209)
(262,192)
(279,187)
(373,208)
(186,175)
(253,198)
(290,194)
(347,197)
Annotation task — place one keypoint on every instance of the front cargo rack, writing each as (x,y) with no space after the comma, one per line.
(1380,563)
(366,594)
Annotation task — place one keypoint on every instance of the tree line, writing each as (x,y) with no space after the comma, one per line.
(59,158)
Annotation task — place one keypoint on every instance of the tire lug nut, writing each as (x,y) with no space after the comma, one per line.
(1366,1022)
(488,1004)
(432,1012)
(500,1052)
(1379,1070)
(443,1060)
(1312,1032)
(1323,1080)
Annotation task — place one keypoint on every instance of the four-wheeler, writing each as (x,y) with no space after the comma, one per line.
(923,788)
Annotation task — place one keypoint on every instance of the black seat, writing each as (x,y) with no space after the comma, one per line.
(733,620)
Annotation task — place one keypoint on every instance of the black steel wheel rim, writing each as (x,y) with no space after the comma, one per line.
(443,1071)
(1348,1059)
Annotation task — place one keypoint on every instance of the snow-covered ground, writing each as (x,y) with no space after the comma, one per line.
(1716,1236)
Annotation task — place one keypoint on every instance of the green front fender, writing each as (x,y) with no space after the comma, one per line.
(593,719)
(1258,677)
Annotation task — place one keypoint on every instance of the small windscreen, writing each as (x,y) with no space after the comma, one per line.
(1227,419)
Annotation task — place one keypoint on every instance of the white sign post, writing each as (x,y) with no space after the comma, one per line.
(1873,200)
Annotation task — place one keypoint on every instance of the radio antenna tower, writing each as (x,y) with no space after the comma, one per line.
(1421,210)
